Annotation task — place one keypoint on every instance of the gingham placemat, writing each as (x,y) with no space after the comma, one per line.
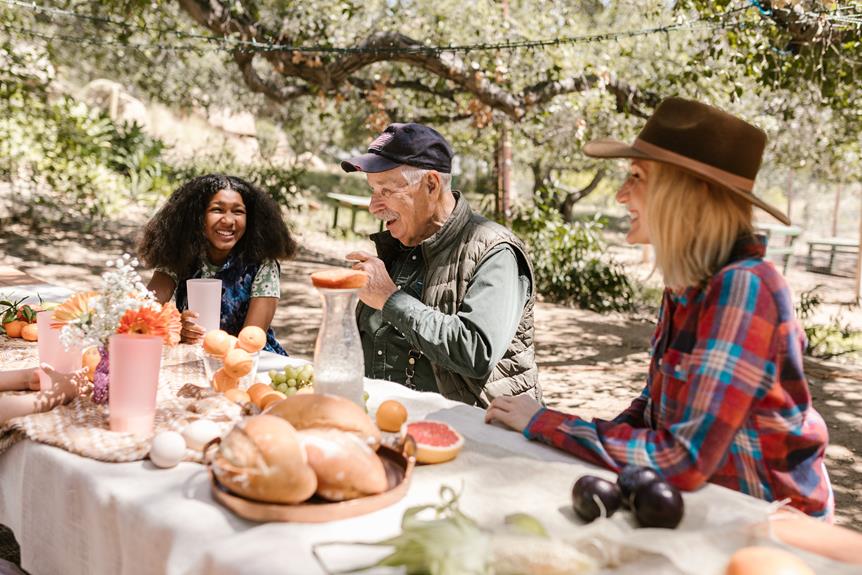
(81,426)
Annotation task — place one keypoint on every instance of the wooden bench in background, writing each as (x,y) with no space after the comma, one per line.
(780,240)
(829,249)
(353,203)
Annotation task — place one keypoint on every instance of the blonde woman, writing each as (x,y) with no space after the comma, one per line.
(726,400)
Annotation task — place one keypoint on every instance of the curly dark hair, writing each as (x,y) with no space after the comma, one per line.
(174,238)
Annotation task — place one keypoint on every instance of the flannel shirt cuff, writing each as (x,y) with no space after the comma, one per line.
(544,424)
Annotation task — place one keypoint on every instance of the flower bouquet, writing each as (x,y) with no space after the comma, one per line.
(123,305)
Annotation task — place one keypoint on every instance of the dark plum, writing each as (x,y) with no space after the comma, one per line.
(589,488)
(658,504)
(632,478)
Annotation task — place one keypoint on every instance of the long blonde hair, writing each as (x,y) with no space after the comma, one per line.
(693,224)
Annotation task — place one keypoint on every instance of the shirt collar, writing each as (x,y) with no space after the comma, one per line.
(747,246)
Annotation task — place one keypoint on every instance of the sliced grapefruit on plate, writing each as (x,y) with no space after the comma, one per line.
(436,441)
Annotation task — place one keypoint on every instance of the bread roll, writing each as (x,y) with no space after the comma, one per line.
(261,458)
(330,412)
(339,279)
(346,468)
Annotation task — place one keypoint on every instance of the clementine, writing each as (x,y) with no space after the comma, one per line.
(238,363)
(252,338)
(237,395)
(90,360)
(13,328)
(30,332)
(217,342)
(391,415)
(257,391)
(268,399)
(222,381)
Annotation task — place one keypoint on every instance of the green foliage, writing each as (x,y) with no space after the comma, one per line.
(280,182)
(70,159)
(829,340)
(570,263)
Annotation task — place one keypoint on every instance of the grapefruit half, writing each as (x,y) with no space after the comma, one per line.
(436,441)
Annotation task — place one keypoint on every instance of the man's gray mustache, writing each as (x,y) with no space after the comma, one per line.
(385,215)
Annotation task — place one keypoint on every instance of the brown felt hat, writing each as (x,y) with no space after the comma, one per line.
(700,139)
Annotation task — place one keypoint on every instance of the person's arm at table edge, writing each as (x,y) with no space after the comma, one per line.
(65,387)
(683,464)
(469,343)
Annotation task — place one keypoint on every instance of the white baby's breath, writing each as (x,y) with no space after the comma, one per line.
(122,290)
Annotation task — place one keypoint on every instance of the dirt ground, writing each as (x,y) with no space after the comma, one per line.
(591,364)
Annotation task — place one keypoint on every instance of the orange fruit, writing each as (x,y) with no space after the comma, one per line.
(238,363)
(90,360)
(223,382)
(232,343)
(252,338)
(217,342)
(257,391)
(30,332)
(391,415)
(267,399)
(237,395)
(13,328)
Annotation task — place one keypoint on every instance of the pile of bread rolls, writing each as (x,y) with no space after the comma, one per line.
(303,445)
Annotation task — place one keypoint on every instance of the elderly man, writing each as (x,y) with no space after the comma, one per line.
(449,302)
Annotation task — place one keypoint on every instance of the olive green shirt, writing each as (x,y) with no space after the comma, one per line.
(470,343)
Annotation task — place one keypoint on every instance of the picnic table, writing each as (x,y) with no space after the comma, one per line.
(353,203)
(829,248)
(76,515)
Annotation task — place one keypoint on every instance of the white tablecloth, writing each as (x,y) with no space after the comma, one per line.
(74,515)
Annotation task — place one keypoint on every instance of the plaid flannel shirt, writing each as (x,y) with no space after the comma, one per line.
(726,400)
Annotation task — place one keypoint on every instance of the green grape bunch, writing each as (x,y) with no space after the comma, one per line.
(291,379)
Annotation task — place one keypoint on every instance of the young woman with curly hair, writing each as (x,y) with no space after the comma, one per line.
(218,226)
(726,400)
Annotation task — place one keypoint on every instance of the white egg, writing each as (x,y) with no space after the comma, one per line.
(198,433)
(167,449)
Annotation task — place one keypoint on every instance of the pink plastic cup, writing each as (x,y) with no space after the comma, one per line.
(52,352)
(205,299)
(135,361)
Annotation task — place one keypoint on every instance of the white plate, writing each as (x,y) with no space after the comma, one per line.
(269,360)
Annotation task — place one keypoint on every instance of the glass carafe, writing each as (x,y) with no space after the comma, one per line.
(338,363)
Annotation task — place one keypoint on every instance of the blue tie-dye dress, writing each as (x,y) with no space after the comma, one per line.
(236,285)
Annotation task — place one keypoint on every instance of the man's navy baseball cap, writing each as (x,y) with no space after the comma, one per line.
(404,144)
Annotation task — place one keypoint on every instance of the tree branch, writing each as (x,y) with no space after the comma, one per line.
(263,86)
(413,85)
(328,72)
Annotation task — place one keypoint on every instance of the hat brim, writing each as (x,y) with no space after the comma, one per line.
(370,163)
(607,148)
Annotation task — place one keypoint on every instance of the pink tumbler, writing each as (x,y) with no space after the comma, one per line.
(135,361)
(205,299)
(52,352)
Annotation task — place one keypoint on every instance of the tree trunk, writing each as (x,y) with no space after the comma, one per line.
(576,196)
(835,211)
(859,261)
(540,175)
(504,172)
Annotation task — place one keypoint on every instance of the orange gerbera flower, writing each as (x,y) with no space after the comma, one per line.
(173,323)
(142,321)
(73,308)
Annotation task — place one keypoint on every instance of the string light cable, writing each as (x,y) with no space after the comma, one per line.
(220,43)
